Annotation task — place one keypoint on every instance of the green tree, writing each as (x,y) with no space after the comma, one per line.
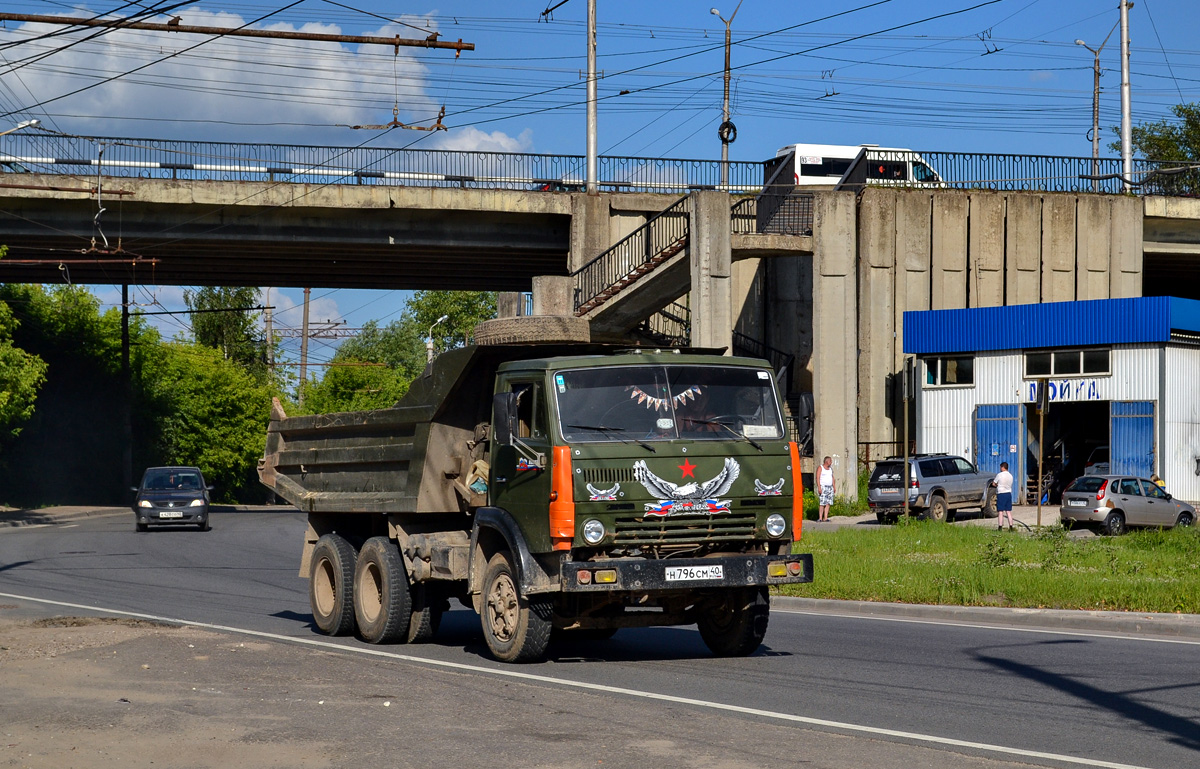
(72,448)
(1170,140)
(211,413)
(466,309)
(400,345)
(21,376)
(219,320)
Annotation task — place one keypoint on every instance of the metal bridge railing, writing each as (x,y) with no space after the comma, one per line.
(43,152)
(661,237)
(990,171)
(790,214)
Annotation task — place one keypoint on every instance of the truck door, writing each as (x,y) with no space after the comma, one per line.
(518,486)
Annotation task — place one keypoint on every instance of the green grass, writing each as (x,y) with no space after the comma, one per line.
(840,505)
(928,562)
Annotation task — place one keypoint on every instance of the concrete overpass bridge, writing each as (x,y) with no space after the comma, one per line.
(817,281)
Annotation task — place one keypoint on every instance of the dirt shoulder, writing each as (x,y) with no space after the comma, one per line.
(101,693)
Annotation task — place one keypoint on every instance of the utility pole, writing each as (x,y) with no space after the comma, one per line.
(126,395)
(726,131)
(304,350)
(1126,116)
(593,165)
(396,42)
(1096,105)
(270,331)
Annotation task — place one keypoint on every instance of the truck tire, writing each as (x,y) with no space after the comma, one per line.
(331,585)
(515,627)
(382,601)
(532,328)
(426,616)
(735,625)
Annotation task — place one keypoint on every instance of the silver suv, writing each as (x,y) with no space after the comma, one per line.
(939,485)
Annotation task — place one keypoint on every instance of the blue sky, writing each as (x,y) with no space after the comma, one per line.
(966,75)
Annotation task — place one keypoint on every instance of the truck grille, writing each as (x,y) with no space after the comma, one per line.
(636,530)
(608,474)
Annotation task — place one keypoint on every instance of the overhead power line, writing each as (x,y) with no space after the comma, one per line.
(397,41)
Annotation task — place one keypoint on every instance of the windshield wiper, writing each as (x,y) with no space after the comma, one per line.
(608,429)
(742,436)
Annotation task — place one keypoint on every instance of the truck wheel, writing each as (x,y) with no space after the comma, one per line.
(938,509)
(382,603)
(735,625)
(330,585)
(516,628)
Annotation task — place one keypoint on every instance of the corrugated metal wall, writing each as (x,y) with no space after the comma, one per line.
(1179,453)
(946,416)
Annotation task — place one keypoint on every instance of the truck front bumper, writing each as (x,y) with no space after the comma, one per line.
(685,573)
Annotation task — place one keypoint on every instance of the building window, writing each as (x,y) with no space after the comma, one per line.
(950,372)
(1067,363)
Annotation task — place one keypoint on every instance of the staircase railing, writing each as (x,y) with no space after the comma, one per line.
(781,361)
(670,326)
(664,235)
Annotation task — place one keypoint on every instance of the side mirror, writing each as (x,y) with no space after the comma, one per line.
(210,488)
(504,415)
(1169,497)
(133,488)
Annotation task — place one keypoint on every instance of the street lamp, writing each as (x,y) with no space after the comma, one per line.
(1096,106)
(429,340)
(19,126)
(726,131)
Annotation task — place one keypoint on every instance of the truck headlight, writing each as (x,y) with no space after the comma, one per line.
(593,532)
(776,525)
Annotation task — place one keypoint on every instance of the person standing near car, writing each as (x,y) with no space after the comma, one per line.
(1004,485)
(826,486)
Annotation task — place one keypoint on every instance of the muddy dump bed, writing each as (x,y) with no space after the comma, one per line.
(413,457)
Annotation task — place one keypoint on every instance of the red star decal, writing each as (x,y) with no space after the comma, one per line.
(687,468)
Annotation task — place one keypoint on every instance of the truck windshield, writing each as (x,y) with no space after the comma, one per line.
(649,403)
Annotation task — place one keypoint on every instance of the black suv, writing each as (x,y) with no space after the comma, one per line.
(939,484)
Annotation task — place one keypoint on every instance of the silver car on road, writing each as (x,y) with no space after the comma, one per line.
(1116,502)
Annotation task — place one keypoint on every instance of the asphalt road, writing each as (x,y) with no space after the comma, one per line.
(827,690)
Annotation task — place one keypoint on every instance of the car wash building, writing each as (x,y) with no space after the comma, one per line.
(1121,379)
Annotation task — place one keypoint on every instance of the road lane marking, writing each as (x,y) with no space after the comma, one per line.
(958,623)
(544,679)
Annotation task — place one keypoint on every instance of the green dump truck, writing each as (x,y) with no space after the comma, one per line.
(553,489)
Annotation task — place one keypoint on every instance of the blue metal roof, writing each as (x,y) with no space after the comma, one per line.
(1054,324)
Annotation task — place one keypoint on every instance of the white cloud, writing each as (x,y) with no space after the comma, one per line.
(471,139)
(237,80)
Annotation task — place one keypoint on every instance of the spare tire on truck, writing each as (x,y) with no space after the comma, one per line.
(532,329)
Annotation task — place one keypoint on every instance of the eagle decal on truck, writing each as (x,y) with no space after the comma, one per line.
(682,499)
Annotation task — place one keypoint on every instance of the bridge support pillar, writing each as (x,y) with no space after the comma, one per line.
(553,295)
(835,336)
(710,254)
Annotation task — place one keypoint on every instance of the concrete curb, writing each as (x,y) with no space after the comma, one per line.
(1138,623)
(51,516)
